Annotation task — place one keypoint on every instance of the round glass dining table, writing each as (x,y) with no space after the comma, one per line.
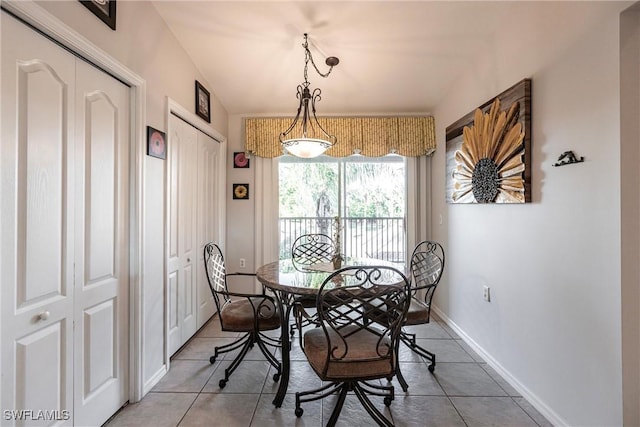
(289,281)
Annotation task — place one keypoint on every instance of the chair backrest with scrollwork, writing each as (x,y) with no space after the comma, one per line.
(359,301)
(310,249)
(426,268)
(216,274)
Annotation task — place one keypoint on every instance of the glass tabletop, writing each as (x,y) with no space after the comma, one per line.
(283,275)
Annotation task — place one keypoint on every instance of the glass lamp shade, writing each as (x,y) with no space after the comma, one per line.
(306,148)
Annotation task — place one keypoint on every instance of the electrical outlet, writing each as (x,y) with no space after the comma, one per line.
(486,294)
(243,263)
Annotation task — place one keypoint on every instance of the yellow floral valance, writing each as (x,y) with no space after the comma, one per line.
(369,136)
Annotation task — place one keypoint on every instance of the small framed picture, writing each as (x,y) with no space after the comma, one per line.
(240,160)
(103,9)
(156,143)
(203,102)
(241,191)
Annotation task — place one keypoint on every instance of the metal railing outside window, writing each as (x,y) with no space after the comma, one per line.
(373,237)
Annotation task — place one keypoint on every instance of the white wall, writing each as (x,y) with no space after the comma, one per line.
(240,213)
(553,266)
(143,43)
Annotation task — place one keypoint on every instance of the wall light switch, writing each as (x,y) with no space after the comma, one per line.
(486,293)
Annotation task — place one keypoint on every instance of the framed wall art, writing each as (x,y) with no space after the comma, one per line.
(488,158)
(203,102)
(103,9)
(240,160)
(241,191)
(156,143)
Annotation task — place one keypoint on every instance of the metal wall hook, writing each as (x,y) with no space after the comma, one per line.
(568,158)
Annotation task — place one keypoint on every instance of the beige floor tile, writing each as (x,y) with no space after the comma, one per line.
(228,410)
(425,411)
(492,411)
(466,379)
(186,376)
(421,381)
(268,415)
(156,409)
(463,389)
(249,377)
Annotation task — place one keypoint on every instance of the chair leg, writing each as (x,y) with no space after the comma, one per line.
(344,388)
(361,393)
(246,342)
(227,372)
(403,383)
(410,341)
(324,391)
(273,342)
(386,391)
(230,347)
(270,357)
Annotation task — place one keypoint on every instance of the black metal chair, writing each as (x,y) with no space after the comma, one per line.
(307,250)
(251,314)
(425,268)
(360,311)
(310,249)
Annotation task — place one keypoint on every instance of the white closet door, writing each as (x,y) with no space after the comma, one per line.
(64,258)
(209,189)
(36,262)
(101,246)
(182,242)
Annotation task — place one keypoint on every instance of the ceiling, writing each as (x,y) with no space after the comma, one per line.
(395,57)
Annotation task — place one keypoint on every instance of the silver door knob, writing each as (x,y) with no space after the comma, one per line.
(44,315)
(188,259)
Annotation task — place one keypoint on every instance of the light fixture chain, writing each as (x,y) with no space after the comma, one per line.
(308,56)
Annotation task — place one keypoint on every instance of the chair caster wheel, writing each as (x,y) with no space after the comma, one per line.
(276,377)
(212,359)
(387,401)
(299,412)
(222,383)
(432,368)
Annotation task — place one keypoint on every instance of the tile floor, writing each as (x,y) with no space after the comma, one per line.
(463,391)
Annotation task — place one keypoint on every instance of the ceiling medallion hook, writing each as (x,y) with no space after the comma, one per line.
(314,139)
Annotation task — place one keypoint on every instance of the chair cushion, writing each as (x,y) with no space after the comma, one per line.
(237,316)
(418,313)
(361,362)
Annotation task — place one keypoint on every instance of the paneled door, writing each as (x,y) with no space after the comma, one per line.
(193,206)
(209,189)
(101,309)
(64,257)
(183,254)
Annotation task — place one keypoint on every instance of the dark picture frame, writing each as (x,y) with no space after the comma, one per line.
(105,10)
(519,93)
(240,160)
(156,143)
(240,191)
(203,102)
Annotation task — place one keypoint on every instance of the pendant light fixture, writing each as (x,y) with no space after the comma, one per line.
(305,137)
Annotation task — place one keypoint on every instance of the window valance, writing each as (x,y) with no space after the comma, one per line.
(369,136)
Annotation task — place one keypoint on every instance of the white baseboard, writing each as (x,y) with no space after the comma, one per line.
(533,399)
(155,378)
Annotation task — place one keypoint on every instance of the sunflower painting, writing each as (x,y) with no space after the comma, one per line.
(491,164)
(241,191)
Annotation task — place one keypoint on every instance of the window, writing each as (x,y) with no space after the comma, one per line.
(367,194)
